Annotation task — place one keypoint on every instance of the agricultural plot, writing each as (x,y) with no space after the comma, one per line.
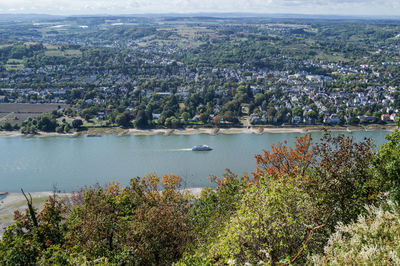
(17,118)
(72,53)
(66,53)
(51,46)
(54,53)
(14,64)
(17,113)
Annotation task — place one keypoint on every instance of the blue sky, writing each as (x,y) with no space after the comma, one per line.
(77,7)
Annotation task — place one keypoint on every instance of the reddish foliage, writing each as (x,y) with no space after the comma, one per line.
(285,161)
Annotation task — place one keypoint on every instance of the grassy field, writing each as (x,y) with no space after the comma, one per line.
(72,53)
(14,67)
(66,53)
(51,46)
(15,61)
(54,53)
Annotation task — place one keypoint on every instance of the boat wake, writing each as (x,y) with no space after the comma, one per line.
(186,149)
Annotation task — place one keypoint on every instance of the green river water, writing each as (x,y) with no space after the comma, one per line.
(39,164)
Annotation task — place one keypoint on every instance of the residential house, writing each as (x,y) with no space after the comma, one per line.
(101,116)
(296,120)
(254,119)
(385,117)
(332,119)
(156,116)
(367,118)
(196,118)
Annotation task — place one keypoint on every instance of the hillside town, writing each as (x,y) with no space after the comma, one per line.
(150,73)
(310,97)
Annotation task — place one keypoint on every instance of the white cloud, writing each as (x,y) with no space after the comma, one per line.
(68,7)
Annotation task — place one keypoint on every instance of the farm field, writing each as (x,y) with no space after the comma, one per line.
(14,64)
(17,112)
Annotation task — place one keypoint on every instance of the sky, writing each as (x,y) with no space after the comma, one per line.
(115,7)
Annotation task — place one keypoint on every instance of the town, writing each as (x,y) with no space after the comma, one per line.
(238,72)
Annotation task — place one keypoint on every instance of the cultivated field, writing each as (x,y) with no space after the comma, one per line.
(16,113)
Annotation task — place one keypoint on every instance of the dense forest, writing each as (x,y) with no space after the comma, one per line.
(324,202)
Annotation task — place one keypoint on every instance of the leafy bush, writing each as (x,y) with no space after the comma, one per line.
(140,220)
(270,225)
(209,213)
(387,164)
(374,239)
(342,178)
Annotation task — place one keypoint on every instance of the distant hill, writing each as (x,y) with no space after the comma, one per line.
(36,17)
(28,17)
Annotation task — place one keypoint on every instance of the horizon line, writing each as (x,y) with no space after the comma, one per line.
(205,14)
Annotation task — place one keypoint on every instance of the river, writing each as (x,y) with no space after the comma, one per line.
(39,164)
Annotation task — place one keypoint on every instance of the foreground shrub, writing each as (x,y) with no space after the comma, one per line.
(138,224)
(343,180)
(387,163)
(271,225)
(209,212)
(159,231)
(373,240)
(31,234)
(145,223)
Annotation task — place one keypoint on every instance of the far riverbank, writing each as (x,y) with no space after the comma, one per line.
(208,131)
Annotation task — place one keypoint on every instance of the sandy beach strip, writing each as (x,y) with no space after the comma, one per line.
(10,134)
(17,201)
(214,131)
(208,131)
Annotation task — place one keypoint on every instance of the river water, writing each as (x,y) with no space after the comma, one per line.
(39,164)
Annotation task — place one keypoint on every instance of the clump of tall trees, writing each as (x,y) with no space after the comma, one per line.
(305,203)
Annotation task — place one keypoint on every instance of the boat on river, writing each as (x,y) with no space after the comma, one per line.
(202,148)
(93,135)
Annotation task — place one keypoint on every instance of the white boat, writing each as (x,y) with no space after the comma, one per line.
(202,148)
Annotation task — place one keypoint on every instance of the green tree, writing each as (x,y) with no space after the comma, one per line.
(124,119)
(204,117)
(141,120)
(387,164)
(270,224)
(342,178)
(47,124)
(185,116)
(77,123)
(7,126)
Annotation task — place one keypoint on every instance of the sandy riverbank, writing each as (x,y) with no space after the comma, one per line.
(251,130)
(208,131)
(40,135)
(17,201)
